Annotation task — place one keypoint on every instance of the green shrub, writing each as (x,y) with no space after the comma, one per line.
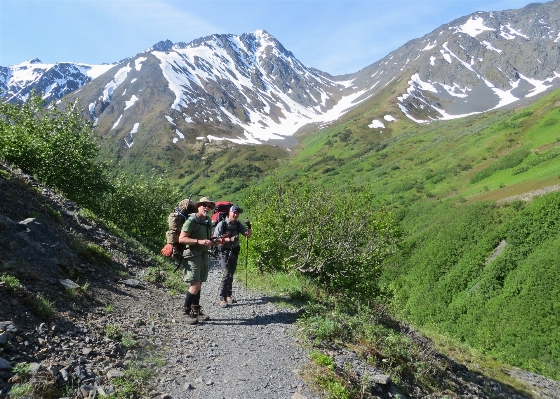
(508,161)
(128,340)
(113,331)
(337,239)
(21,368)
(20,390)
(57,146)
(43,307)
(504,305)
(140,205)
(12,282)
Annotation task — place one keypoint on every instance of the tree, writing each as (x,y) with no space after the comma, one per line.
(57,146)
(339,240)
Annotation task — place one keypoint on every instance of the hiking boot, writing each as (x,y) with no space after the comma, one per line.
(191,317)
(223,304)
(199,315)
(230,300)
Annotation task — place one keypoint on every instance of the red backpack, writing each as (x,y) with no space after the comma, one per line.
(221,210)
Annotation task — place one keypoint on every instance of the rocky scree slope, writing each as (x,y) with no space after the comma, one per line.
(245,351)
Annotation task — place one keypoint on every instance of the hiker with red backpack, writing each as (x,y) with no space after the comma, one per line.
(229,229)
(196,233)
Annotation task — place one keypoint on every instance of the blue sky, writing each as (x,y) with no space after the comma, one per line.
(337,37)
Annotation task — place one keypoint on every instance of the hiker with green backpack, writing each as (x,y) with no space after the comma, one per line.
(231,229)
(196,233)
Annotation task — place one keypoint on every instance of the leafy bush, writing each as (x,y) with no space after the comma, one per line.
(450,276)
(57,146)
(21,368)
(237,171)
(140,204)
(508,161)
(60,149)
(337,239)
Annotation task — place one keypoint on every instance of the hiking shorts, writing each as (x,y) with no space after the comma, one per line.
(196,268)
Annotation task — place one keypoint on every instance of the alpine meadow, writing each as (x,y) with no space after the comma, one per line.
(450,228)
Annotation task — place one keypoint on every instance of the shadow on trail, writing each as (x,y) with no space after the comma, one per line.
(256,320)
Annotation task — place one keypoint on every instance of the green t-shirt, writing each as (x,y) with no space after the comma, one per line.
(197,228)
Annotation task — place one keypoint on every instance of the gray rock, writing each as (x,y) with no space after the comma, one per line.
(8,326)
(64,374)
(69,284)
(34,368)
(5,365)
(114,373)
(381,379)
(88,391)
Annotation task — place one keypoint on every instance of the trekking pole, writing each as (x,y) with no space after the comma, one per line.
(248,224)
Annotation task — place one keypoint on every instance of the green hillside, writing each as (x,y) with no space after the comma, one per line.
(449,184)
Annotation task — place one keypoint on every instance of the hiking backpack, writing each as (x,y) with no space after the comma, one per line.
(176,219)
(220,212)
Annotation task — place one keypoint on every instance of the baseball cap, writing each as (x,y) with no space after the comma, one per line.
(235,209)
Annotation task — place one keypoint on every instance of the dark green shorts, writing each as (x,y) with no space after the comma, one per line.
(196,268)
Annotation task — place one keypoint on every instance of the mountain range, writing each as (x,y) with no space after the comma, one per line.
(175,99)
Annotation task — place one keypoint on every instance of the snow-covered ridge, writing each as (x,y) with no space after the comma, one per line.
(249,64)
(52,80)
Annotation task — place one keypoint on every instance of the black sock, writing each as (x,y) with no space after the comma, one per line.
(189,300)
(196,300)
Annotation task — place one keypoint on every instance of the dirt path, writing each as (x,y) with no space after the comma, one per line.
(528,196)
(244,351)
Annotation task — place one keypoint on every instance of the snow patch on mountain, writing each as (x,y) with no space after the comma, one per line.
(117,80)
(138,62)
(117,122)
(473,27)
(133,131)
(270,112)
(178,133)
(54,80)
(376,124)
(508,33)
(130,102)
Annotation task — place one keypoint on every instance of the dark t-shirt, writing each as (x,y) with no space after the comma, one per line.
(234,229)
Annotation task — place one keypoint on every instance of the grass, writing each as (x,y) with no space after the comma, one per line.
(20,390)
(12,282)
(136,380)
(90,252)
(21,368)
(113,332)
(128,340)
(54,214)
(285,289)
(43,307)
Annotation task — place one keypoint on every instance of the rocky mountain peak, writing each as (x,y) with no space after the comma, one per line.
(163,45)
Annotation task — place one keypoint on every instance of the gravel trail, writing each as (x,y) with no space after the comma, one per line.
(243,351)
